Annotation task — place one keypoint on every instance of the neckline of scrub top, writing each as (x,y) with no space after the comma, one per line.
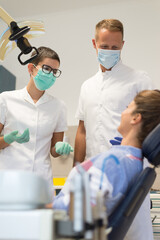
(44,98)
(114,69)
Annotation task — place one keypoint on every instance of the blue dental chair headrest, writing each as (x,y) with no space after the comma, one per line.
(151,146)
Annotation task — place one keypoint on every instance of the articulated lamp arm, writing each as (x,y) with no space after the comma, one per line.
(6,17)
(17,36)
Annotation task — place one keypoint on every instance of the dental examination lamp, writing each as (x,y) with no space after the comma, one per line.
(22,42)
(18,35)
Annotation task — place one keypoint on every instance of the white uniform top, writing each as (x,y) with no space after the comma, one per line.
(103,97)
(43,118)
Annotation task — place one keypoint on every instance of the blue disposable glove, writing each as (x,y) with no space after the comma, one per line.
(15,137)
(63,148)
(116,141)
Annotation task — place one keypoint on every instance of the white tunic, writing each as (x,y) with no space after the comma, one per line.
(43,118)
(103,97)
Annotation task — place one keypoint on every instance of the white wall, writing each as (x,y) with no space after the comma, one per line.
(70,31)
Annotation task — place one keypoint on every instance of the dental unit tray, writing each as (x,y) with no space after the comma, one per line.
(17,34)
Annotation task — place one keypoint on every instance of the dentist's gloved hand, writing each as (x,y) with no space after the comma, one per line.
(15,137)
(63,148)
(116,141)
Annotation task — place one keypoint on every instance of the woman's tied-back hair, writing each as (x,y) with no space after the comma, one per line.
(148,105)
(44,52)
(112,25)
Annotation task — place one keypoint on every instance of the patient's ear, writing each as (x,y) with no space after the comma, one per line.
(137,118)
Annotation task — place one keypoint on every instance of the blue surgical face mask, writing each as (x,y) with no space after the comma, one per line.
(43,80)
(108,58)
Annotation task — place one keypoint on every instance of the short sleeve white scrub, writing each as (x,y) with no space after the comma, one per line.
(18,112)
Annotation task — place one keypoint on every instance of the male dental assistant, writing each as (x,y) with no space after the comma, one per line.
(33,122)
(103,98)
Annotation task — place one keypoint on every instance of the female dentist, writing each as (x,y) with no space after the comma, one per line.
(33,122)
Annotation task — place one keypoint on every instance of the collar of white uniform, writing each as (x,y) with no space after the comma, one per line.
(44,98)
(107,74)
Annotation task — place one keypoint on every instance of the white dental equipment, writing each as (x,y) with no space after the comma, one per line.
(22,190)
(78,204)
(23,196)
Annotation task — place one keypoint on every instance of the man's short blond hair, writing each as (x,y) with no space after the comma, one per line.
(112,25)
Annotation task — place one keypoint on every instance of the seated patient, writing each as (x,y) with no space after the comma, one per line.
(115,170)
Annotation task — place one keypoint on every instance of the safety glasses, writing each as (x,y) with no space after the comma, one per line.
(47,69)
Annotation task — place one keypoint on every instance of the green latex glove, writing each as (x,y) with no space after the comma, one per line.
(15,137)
(63,148)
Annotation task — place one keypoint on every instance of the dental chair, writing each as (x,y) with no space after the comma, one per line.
(122,217)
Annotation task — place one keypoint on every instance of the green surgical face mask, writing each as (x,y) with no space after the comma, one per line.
(43,80)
